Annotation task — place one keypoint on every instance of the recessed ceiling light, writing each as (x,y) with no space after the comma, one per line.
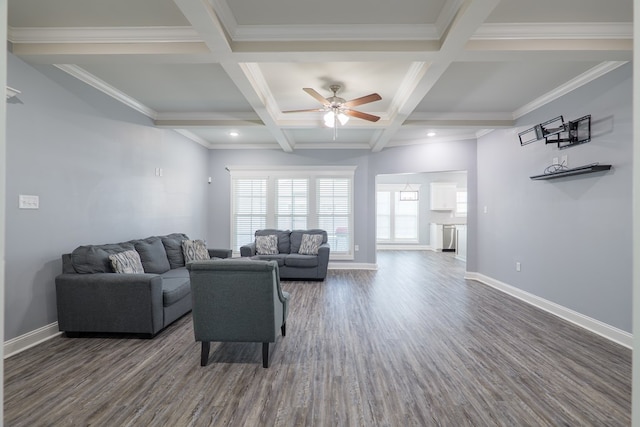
(431,134)
(233,133)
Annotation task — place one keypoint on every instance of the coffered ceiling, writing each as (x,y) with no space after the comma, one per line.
(206,68)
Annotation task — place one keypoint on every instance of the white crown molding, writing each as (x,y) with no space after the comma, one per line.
(106,88)
(560,30)
(474,116)
(573,84)
(607,331)
(103,35)
(193,137)
(247,33)
(221,117)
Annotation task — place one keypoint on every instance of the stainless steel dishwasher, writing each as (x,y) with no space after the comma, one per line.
(448,238)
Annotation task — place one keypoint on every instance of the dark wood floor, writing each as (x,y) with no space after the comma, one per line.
(412,344)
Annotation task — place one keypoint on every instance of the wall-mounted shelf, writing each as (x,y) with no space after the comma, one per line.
(11,92)
(573,171)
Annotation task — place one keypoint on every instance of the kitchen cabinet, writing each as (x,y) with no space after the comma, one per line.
(443,196)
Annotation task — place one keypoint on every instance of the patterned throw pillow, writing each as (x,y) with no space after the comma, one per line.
(194,250)
(310,244)
(267,245)
(126,262)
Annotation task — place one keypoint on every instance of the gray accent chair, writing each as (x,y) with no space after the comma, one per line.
(237,301)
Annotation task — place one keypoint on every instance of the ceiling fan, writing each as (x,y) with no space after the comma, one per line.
(338,109)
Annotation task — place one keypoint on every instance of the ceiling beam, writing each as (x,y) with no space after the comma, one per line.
(470,16)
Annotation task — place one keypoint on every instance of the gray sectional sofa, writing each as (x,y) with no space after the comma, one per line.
(292,264)
(91,297)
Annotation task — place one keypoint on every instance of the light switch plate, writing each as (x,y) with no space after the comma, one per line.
(28,202)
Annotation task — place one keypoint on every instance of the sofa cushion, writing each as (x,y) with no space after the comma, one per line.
(95,258)
(127,262)
(194,250)
(180,272)
(173,246)
(310,244)
(267,245)
(174,289)
(298,260)
(152,254)
(284,245)
(280,258)
(296,238)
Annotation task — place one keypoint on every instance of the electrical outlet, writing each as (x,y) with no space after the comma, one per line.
(357,248)
(517,265)
(28,202)
(554,161)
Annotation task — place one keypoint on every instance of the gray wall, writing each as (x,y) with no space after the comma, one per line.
(449,156)
(92,162)
(571,235)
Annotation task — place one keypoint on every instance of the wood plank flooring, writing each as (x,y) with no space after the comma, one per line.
(412,344)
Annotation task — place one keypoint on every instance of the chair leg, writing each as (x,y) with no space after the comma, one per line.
(283,328)
(204,354)
(265,354)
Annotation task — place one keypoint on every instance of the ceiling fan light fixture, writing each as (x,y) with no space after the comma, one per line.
(343,118)
(329,119)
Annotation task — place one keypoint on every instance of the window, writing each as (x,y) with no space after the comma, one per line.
(396,219)
(461,202)
(292,204)
(249,209)
(334,211)
(290,199)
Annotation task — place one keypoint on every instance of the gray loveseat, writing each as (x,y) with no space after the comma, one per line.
(91,297)
(292,264)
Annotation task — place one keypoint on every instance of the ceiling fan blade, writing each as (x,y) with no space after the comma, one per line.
(361,115)
(321,99)
(363,100)
(304,111)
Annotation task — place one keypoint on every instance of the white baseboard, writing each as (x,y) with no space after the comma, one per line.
(352,266)
(30,339)
(607,331)
(383,247)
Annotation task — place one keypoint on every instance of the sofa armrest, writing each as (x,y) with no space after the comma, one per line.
(219,253)
(248,250)
(323,260)
(109,302)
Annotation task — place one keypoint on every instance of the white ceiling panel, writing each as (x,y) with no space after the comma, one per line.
(81,13)
(480,87)
(181,88)
(250,12)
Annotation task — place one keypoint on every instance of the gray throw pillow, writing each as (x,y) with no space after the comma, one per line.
(267,245)
(173,246)
(152,254)
(195,250)
(126,262)
(310,244)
